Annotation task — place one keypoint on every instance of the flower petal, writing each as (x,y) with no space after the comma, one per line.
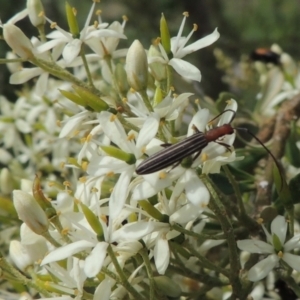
(293,243)
(279,227)
(292,260)
(255,246)
(66,251)
(71,50)
(119,193)
(196,191)
(185,69)
(263,268)
(161,255)
(202,43)
(93,263)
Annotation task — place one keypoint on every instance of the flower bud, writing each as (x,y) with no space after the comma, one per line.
(6,181)
(158,69)
(72,22)
(13,66)
(35,9)
(92,100)
(30,212)
(121,79)
(73,97)
(19,255)
(17,41)
(129,158)
(93,221)
(137,66)
(165,35)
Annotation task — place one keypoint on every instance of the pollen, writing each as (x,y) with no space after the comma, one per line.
(51,184)
(82,179)
(229,101)
(195,27)
(103,218)
(260,221)
(76,132)
(125,18)
(143,149)
(84,165)
(94,190)
(58,123)
(197,101)
(41,14)
(186,14)
(65,231)
(89,138)
(125,100)
(110,174)
(132,90)
(156,41)
(112,118)
(130,137)
(96,23)
(74,11)
(67,183)
(162,175)
(76,201)
(62,164)
(175,95)
(280,254)
(53,25)
(204,157)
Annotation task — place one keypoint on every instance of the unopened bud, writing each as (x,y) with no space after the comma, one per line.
(137,66)
(72,21)
(129,158)
(35,12)
(30,212)
(158,69)
(19,255)
(165,35)
(92,100)
(17,41)
(6,181)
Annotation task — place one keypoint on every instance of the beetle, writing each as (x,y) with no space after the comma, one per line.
(174,154)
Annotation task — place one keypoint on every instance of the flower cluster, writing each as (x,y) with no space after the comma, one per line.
(98,229)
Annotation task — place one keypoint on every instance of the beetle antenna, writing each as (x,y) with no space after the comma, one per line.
(226,110)
(273,157)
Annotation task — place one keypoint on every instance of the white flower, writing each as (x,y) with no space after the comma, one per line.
(103,165)
(275,247)
(73,45)
(180,50)
(188,179)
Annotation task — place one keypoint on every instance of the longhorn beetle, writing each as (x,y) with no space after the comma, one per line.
(174,154)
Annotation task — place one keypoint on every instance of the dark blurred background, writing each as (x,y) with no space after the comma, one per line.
(244,25)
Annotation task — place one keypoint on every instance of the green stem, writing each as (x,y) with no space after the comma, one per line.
(12,60)
(219,209)
(145,98)
(6,267)
(120,272)
(236,189)
(147,263)
(86,66)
